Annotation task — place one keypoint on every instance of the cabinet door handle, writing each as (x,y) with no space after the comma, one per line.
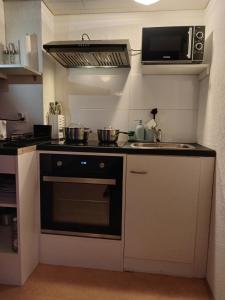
(139,172)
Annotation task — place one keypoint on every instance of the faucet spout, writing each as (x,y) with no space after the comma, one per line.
(157,134)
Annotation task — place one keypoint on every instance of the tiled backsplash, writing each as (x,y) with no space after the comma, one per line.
(118,97)
(119,100)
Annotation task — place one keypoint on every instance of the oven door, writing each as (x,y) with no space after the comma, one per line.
(167,44)
(90,207)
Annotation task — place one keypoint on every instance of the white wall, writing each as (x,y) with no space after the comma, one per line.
(211,132)
(22,17)
(2,23)
(48,35)
(99,98)
(2,29)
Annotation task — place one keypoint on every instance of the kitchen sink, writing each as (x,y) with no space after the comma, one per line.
(162,146)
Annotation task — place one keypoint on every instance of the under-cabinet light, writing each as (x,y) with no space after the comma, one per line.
(146,2)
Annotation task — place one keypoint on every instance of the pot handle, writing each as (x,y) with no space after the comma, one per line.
(123,132)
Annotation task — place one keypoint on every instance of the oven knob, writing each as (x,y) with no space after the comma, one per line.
(59,163)
(199,46)
(101,165)
(200,35)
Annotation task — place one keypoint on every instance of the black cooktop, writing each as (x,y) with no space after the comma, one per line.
(94,144)
(120,147)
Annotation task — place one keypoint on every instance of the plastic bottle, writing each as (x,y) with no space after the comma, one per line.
(14,235)
(140,131)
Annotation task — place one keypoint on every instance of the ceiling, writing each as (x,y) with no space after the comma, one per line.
(71,7)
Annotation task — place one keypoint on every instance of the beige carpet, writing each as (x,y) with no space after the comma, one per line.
(62,283)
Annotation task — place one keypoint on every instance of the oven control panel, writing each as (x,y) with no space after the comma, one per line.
(81,165)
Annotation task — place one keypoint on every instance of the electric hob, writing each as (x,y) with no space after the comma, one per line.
(90,146)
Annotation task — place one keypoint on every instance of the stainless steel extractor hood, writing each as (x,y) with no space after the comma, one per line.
(91,53)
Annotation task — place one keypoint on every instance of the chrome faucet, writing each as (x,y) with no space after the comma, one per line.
(157,134)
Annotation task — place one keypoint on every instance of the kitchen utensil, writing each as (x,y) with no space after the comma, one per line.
(3,129)
(10,53)
(58,108)
(52,108)
(109,135)
(55,108)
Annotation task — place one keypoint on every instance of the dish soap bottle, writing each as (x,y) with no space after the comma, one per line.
(140,131)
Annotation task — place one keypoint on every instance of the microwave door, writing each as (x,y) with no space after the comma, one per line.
(167,44)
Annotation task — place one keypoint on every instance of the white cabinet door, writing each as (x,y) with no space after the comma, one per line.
(161,208)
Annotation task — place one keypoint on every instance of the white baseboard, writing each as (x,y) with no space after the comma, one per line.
(160,267)
(81,252)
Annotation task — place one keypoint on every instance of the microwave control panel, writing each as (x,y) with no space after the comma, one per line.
(199,43)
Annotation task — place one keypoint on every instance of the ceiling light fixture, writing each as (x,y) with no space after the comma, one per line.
(146,2)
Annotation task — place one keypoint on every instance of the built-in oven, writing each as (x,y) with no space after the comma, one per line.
(175,44)
(81,195)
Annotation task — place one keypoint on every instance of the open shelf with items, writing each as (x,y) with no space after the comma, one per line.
(8,230)
(19,70)
(7,190)
(177,69)
(19,230)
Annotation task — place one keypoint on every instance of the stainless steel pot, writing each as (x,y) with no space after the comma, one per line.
(76,134)
(109,135)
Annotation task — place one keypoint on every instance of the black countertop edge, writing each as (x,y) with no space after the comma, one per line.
(9,151)
(126,149)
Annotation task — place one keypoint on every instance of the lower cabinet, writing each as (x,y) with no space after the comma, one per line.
(168,203)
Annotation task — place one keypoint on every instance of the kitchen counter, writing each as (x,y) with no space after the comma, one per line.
(8,148)
(124,148)
(93,146)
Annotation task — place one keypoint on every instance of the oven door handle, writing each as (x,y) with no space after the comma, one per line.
(190,35)
(79,180)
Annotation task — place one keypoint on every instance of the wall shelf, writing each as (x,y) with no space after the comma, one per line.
(2,76)
(18,70)
(7,200)
(193,69)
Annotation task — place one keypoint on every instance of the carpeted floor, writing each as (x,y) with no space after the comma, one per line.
(63,283)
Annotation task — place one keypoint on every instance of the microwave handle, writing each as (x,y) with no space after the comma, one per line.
(190,35)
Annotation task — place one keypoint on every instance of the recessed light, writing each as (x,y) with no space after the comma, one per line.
(146,2)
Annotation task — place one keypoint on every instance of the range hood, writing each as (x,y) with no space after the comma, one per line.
(90,53)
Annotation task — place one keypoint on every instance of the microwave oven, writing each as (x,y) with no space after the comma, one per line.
(173,45)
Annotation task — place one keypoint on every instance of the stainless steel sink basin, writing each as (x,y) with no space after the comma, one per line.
(162,146)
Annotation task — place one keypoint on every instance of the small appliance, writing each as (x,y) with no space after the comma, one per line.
(3,129)
(173,45)
(81,195)
(90,53)
(42,131)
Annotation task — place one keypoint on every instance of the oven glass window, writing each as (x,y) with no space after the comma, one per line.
(84,204)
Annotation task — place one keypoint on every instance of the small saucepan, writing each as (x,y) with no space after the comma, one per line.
(109,135)
(76,134)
